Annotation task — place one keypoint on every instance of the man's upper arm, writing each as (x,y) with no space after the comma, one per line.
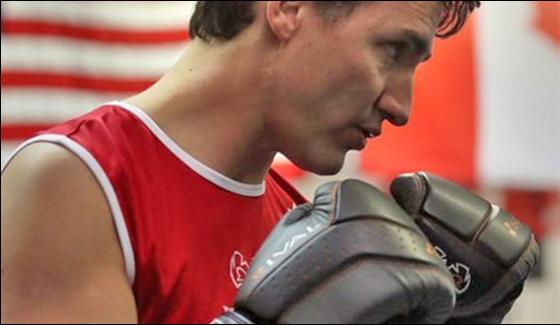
(61,259)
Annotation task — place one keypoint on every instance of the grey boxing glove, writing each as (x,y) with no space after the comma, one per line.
(352,256)
(487,250)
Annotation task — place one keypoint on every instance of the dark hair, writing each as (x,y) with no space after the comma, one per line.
(455,15)
(222,20)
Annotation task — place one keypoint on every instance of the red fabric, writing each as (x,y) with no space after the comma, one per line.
(185,231)
(548,19)
(76,81)
(93,33)
(21,131)
(530,207)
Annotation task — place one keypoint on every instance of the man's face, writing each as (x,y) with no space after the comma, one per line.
(335,82)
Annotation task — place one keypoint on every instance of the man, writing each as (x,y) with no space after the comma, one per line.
(151,209)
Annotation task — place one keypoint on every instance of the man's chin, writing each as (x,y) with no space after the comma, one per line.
(325,167)
(327,172)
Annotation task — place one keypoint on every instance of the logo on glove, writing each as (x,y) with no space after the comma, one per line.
(291,243)
(513,227)
(460,272)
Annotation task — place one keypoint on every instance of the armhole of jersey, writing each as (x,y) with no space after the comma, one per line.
(106,186)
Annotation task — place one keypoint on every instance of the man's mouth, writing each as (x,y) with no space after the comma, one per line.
(371,132)
(366,134)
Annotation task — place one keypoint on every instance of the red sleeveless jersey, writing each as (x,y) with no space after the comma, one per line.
(187,232)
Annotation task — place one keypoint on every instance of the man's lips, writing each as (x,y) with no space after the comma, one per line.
(371,132)
(365,135)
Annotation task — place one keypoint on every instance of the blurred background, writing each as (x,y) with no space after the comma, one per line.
(486,108)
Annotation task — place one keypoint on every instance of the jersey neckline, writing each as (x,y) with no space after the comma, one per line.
(197,166)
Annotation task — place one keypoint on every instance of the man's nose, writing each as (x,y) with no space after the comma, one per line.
(396,109)
(395,100)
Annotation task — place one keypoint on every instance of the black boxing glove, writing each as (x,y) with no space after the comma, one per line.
(353,256)
(487,250)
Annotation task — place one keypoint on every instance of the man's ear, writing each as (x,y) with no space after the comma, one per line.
(283,18)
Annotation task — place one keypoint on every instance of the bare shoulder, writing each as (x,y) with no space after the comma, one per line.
(61,258)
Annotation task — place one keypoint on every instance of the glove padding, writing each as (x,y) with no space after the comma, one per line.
(487,250)
(353,256)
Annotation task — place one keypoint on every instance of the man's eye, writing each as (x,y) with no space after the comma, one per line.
(395,50)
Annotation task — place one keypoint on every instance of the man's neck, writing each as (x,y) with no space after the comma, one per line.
(209,103)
